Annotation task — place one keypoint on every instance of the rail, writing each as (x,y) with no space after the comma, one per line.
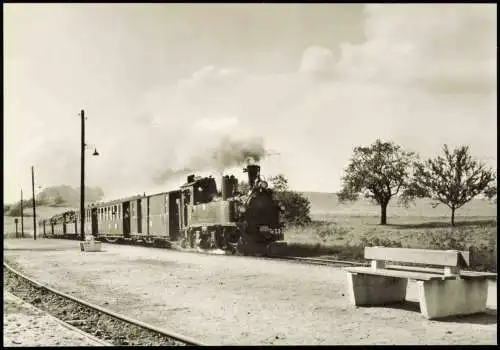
(317,261)
(166,333)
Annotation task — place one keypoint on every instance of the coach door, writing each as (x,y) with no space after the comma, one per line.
(185,204)
(139,216)
(64,223)
(173,213)
(126,219)
(93,216)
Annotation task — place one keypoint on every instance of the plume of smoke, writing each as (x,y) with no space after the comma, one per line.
(232,152)
(229,152)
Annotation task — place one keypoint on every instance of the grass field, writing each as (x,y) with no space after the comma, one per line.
(343,230)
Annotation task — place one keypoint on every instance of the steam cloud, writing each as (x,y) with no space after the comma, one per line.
(228,153)
(236,152)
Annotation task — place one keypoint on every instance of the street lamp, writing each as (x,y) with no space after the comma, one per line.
(82,177)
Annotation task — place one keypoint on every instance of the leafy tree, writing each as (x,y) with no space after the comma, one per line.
(14,210)
(279,183)
(491,193)
(296,208)
(381,171)
(452,179)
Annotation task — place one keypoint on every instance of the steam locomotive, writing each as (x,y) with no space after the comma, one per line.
(194,216)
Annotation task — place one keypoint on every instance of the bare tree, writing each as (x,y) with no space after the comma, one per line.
(382,170)
(452,179)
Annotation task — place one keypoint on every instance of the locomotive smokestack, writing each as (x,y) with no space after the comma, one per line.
(253,173)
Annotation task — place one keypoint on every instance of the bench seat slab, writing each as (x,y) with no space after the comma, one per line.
(416,275)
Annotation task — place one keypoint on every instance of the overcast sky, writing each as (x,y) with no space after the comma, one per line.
(161,82)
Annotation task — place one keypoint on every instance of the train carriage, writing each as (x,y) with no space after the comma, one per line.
(70,224)
(58,227)
(109,222)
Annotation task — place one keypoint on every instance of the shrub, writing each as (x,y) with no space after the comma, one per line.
(331,231)
(296,207)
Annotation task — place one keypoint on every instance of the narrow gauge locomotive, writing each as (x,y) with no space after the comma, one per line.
(194,216)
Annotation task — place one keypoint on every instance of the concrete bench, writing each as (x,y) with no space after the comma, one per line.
(444,291)
(90,246)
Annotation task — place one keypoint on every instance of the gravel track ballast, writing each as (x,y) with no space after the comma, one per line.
(90,320)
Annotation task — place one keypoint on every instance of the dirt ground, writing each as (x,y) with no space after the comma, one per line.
(236,300)
(25,325)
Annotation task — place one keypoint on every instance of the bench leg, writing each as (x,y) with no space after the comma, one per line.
(440,298)
(375,290)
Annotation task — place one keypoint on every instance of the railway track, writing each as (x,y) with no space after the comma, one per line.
(317,261)
(303,260)
(113,329)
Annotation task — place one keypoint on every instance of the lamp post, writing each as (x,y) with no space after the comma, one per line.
(82,177)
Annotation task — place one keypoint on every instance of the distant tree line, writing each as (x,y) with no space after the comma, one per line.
(56,196)
(385,170)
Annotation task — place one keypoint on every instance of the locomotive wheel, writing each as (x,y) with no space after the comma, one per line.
(242,247)
(183,243)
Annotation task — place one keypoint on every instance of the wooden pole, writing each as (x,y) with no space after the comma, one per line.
(34,205)
(82,179)
(22,215)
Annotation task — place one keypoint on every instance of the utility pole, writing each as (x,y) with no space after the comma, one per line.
(22,215)
(34,206)
(82,180)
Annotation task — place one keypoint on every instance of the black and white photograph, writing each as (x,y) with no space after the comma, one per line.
(249,174)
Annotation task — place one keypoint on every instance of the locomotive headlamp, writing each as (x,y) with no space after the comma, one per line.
(263,184)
